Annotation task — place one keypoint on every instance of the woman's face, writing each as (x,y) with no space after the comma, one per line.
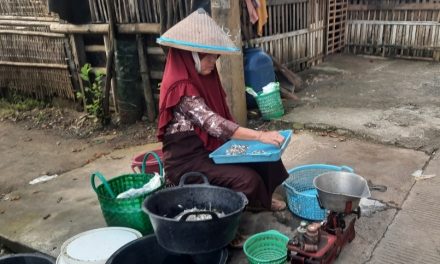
(207,63)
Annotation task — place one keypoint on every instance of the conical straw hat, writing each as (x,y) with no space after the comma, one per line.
(198,32)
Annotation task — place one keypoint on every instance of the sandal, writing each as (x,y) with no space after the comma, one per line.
(255,209)
(277,205)
(238,241)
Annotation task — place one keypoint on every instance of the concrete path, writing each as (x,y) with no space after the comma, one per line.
(386,100)
(382,165)
(48,214)
(413,236)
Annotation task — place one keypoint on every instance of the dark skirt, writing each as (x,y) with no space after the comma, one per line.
(184,152)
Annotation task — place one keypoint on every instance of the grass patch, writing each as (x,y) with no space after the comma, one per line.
(14,104)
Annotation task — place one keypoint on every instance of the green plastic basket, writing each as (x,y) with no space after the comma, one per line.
(126,212)
(270,104)
(268,247)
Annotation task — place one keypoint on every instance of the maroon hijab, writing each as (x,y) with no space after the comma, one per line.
(181,79)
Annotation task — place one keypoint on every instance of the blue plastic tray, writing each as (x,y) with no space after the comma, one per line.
(269,152)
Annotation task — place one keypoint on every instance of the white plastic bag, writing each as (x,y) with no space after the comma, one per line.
(151,185)
(270,87)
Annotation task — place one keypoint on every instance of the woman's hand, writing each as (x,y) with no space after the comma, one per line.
(268,137)
(271,137)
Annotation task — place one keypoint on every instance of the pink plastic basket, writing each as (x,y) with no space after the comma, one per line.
(152,165)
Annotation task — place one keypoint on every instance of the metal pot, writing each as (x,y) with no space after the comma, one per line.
(194,237)
(340,191)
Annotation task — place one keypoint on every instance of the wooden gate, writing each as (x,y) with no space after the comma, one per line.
(336,23)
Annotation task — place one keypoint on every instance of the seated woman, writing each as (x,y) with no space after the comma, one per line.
(194,118)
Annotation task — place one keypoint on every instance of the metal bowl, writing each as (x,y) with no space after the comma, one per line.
(341,191)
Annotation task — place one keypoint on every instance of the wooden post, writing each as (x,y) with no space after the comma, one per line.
(146,82)
(227,15)
(78,54)
(73,68)
(132,28)
(113,80)
(110,59)
(436,56)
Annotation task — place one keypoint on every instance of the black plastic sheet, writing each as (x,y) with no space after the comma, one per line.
(72,11)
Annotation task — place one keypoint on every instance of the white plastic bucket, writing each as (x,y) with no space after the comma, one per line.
(95,246)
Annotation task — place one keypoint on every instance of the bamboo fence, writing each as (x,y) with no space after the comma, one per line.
(292,25)
(40,83)
(294,34)
(33,8)
(396,28)
(33,60)
(141,11)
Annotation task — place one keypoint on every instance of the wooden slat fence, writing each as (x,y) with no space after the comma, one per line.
(283,16)
(317,30)
(294,34)
(397,28)
(286,16)
(394,10)
(394,38)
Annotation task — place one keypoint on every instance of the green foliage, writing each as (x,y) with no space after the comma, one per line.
(93,91)
(6,108)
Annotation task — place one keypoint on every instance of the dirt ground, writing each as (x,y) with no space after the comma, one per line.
(79,140)
(71,124)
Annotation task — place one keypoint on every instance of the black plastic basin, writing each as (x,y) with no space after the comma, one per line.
(146,250)
(26,259)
